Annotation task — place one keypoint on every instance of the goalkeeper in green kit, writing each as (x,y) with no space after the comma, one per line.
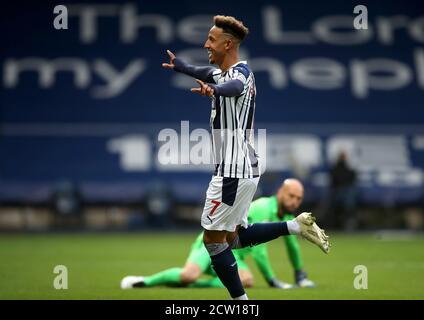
(280,207)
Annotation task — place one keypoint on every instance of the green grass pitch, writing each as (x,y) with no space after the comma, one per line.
(97,262)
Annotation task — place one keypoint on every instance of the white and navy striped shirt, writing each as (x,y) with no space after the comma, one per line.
(231,123)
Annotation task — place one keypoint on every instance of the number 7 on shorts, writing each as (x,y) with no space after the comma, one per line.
(216,204)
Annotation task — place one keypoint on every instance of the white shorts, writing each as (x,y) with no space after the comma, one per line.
(227,203)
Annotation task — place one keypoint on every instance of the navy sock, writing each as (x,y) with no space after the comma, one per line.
(258,233)
(225,266)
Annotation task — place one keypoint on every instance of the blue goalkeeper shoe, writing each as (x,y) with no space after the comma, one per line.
(306,283)
(302,280)
(275,283)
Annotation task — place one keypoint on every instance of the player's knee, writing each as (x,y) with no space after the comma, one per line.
(212,236)
(246,278)
(247,282)
(188,276)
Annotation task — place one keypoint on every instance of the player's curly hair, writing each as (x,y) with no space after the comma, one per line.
(232,26)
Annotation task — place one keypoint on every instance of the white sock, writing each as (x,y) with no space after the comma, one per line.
(293,226)
(243,297)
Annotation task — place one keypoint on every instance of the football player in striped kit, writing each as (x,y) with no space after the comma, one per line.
(232,91)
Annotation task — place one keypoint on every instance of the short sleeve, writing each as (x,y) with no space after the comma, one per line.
(241,72)
(216,74)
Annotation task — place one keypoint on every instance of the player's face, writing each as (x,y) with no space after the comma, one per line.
(290,198)
(217,45)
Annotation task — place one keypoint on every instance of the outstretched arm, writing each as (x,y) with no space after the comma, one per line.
(260,255)
(293,250)
(230,88)
(179,65)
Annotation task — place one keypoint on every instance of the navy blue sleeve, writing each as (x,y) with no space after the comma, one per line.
(202,73)
(232,88)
